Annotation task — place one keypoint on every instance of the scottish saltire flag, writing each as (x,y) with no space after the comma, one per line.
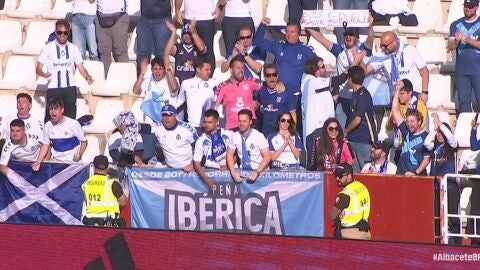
(279,202)
(52,195)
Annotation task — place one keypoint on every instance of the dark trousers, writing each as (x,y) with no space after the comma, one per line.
(311,153)
(474,210)
(453,201)
(69,96)
(296,8)
(206,30)
(230,28)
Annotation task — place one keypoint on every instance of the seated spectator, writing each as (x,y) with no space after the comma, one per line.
(392,12)
(273,99)
(162,87)
(237,93)
(62,135)
(115,143)
(380,163)
(186,52)
(251,147)
(253,56)
(285,144)
(21,146)
(331,148)
(414,157)
(211,148)
(33,125)
(175,139)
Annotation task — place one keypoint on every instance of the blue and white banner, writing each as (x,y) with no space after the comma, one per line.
(53,195)
(278,202)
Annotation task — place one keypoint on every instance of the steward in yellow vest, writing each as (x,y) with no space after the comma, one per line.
(103,196)
(352,206)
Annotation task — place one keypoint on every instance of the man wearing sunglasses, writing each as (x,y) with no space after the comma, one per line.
(61,59)
(464,38)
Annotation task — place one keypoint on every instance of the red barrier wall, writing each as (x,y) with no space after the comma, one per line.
(71,247)
(401,207)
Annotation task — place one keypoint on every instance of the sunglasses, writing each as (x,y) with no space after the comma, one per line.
(245,37)
(332,128)
(384,46)
(268,75)
(65,33)
(283,120)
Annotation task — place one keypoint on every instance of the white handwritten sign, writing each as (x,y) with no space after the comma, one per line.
(335,18)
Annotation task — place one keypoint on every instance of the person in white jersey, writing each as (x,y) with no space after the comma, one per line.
(61,59)
(20,146)
(62,135)
(32,125)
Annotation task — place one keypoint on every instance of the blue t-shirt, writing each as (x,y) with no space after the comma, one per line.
(362,106)
(468,57)
(272,105)
(442,159)
(413,150)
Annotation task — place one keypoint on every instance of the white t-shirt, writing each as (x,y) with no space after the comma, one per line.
(32,125)
(200,10)
(255,143)
(115,142)
(203,147)
(28,152)
(408,61)
(286,158)
(391,168)
(316,107)
(84,7)
(199,95)
(176,144)
(238,8)
(162,88)
(64,137)
(61,61)
(344,62)
(112,6)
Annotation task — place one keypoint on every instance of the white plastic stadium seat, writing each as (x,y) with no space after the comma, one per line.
(139,115)
(38,107)
(455,11)
(93,148)
(463,128)
(328,57)
(59,10)
(429,14)
(439,93)
(28,9)
(9,5)
(19,72)
(37,37)
(105,111)
(82,107)
(432,49)
(106,152)
(120,80)
(132,47)
(11,33)
(382,134)
(257,11)
(8,104)
(96,70)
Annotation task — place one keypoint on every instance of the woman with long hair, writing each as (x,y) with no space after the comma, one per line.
(285,144)
(331,148)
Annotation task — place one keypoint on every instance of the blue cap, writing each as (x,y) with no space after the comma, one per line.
(470,3)
(168,109)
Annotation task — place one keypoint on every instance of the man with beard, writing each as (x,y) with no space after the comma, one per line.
(380,163)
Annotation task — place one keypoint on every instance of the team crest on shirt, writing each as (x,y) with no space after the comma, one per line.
(252,146)
(299,56)
(62,53)
(178,137)
(245,87)
(240,102)
(181,53)
(281,53)
(279,99)
(205,85)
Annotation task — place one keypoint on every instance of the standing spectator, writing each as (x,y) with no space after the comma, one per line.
(175,138)
(273,99)
(443,146)
(380,163)
(61,59)
(402,61)
(361,130)
(33,125)
(111,27)
(415,157)
(290,56)
(331,148)
(296,8)
(162,87)
(115,146)
(348,4)
(251,147)
(62,135)
(204,12)
(20,146)
(475,197)
(237,14)
(464,38)
(253,56)
(285,144)
(83,27)
(211,148)
(186,52)
(199,93)
(236,93)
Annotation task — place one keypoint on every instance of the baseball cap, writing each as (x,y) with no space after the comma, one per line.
(343,169)
(100,162)
(383,145)
(470,3)
(168,110)
(351,31)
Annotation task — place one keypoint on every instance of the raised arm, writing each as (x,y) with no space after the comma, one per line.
(197,40)
(318,36)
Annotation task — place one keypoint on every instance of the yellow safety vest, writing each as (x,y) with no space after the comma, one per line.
(99,197)
(359,206)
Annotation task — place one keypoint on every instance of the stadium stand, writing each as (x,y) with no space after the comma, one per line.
(37,36)
(59,10)
(29,9)
(426,22)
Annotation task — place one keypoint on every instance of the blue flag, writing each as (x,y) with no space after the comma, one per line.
(53,195)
